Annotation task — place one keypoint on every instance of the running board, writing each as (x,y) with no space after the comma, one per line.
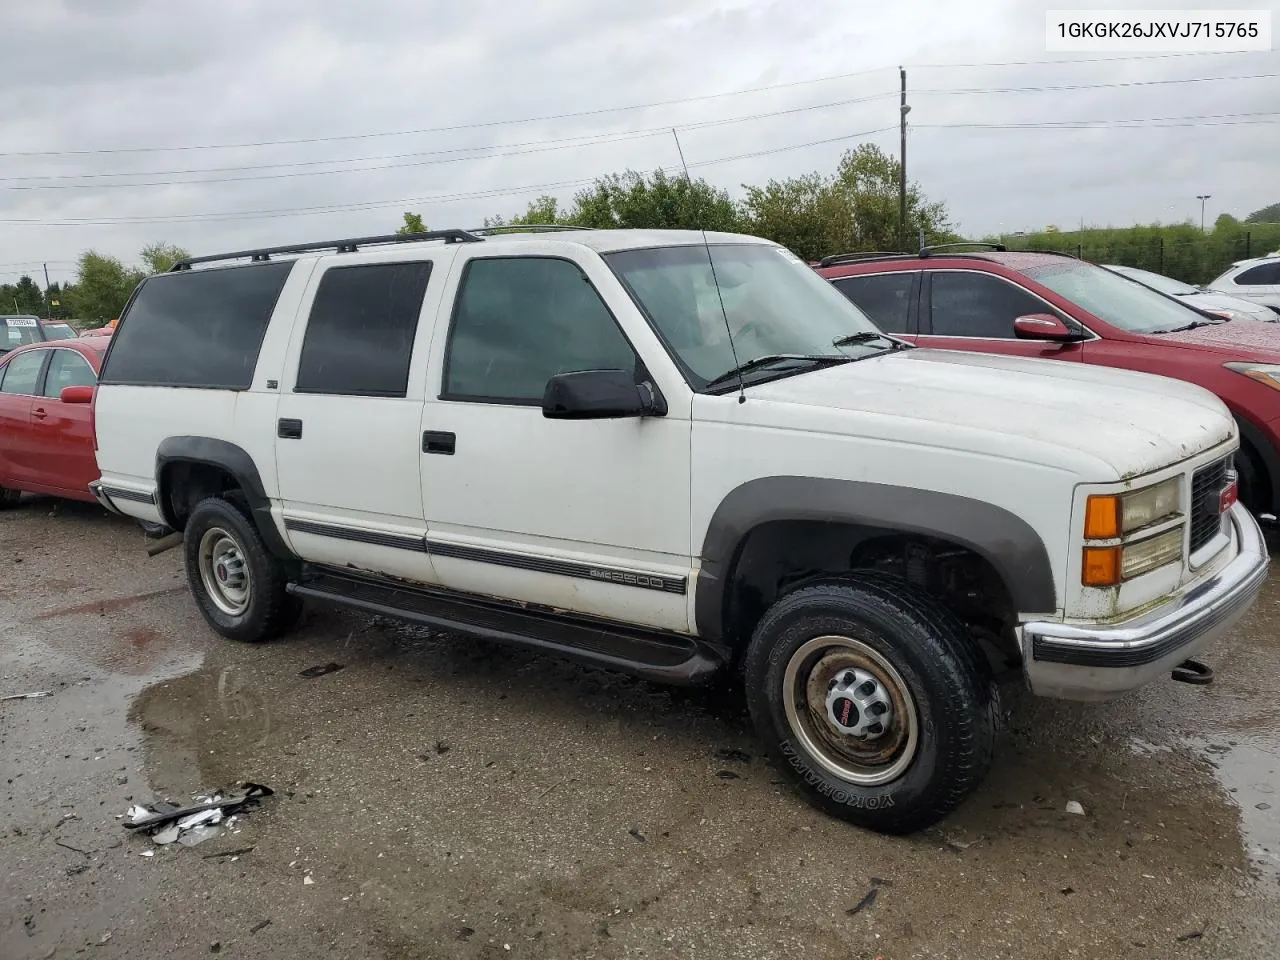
(662,657)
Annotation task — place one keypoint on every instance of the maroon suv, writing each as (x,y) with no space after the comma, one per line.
(1061,308)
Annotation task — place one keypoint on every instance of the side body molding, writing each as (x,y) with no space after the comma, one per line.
(1004,539)
(235,461)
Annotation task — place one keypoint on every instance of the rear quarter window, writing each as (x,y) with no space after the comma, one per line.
(196,328)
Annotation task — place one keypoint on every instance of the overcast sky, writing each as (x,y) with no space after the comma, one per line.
(94,88)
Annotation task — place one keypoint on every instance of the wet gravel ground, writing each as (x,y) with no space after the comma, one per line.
(448,798)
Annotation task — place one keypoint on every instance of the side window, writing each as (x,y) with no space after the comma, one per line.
(519,321)
(22,373)
(1264,274)
(67,369)
(360,334)
(972,304)
(884,297)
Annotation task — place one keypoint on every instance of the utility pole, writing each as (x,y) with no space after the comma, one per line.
(903,109)
(48,304)
(1202,197)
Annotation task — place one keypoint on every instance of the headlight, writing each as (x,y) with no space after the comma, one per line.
(1112,516)
(1138,558)
(1265,373)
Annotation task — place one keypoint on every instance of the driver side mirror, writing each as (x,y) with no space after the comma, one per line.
(1044,326)
(600,395)
(76,395)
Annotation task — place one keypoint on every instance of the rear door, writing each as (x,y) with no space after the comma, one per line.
(349,414)
(62,433)
(975,310)
(890,299)
(20,384)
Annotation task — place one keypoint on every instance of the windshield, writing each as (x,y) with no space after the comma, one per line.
(15,331)
(774,303)
(1175,288)
(1122,303)
(58,331)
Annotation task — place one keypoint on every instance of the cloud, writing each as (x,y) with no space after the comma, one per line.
(87,76)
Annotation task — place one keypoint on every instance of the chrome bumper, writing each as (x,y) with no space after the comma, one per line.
(1077,661)
(95,487)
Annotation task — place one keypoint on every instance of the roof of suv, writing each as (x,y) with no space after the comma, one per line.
(1020,260)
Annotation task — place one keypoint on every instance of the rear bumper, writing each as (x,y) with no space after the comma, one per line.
(1077,661)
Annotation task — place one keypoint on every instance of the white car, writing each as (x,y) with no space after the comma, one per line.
(1257,280)
(1220,304)
(593,444)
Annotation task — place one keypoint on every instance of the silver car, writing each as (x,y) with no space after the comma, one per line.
(1220,304)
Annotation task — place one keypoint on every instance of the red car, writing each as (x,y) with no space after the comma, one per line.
(46,431)
(1058,307)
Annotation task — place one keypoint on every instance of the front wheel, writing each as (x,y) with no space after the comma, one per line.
(875,698)
(9,498)
(237,583)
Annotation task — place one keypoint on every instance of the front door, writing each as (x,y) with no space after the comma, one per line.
(63,432)
(972,310)
(588,516)
(347,446)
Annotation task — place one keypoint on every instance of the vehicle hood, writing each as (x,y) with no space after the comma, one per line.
(1222,301)
(1242,339)
(1054,412)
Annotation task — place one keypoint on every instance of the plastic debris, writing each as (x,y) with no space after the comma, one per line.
(307,880)
(1073,806)
(34,695)
(867,900)
(170,823)
(147,853)
(319,670)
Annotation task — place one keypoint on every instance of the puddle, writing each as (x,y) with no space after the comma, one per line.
(1249,770)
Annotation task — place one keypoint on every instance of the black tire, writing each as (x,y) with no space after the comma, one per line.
(1255,485)
(267,610)
(9,498)
(956,702)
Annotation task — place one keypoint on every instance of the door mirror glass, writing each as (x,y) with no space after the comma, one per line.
(1043,326)
(76,395)
(599,395)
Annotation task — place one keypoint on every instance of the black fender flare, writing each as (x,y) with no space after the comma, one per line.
(237,462)
(1006,541)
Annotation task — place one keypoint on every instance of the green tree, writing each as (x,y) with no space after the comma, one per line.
(56,298)
(27,297)
(412,224)
(159,257)
(103,284)
(545,210)
(1269,214)
(658,201)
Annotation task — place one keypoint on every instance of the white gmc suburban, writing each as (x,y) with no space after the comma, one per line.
(678,455)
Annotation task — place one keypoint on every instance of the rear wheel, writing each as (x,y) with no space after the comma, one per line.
(237,583)
(875,698)
(8,498)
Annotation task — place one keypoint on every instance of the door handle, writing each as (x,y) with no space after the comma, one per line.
(39,413)
(438,441)
(289,429)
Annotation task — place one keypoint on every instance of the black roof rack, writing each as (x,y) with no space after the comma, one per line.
(929,251)
(836,258)
(341,246)
(527,228)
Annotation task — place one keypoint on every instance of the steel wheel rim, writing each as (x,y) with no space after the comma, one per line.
(224,572)
(864,762)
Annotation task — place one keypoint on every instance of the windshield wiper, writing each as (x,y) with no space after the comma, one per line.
(811,361)
(866,336)
(1191,326)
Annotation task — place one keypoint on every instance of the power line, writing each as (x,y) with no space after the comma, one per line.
(219,216)
(569,115)
(1090,86)
(1136,123)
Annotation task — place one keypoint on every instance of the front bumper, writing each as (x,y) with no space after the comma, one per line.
(1077,661)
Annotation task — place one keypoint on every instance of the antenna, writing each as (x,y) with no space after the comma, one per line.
(742,392)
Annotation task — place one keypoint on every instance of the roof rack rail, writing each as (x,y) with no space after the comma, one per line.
(836,258)
(929,251)
(341,246)
(527,228)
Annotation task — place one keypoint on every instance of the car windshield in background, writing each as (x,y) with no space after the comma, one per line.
(17,331)
(58,331)
(774,303)
(1120,302)
(1175,288)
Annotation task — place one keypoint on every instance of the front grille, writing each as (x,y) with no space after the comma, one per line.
(1206,489)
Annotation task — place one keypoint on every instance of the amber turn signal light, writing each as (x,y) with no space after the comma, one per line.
(1102,518)
(1101,566)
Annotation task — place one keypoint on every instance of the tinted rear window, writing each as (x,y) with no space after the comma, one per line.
(198,328)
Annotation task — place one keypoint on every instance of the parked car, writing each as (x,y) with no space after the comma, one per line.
(57,330)
(46,433)
(1257,280)
(104,331)
(1219,304)
(1058,307)
(17,330)
(549,440)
